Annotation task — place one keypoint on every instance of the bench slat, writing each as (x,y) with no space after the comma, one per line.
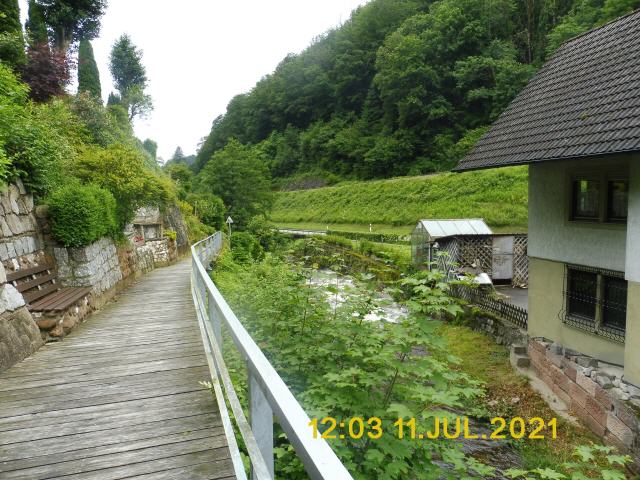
(36,294)
(25,272)
(24,286)
(61,299)
(49,300)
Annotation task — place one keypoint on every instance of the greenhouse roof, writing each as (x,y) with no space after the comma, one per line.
(448,227)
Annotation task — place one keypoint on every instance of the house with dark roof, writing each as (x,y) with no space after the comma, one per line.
(577,127)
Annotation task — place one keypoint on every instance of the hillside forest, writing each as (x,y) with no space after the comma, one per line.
(404,87)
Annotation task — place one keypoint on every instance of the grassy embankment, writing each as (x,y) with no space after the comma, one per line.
(393,206)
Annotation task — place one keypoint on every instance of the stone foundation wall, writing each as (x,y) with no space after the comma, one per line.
(593,392)
(95,265)
(18,226)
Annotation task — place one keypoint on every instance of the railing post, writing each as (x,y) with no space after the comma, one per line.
(261,417)
(216,322)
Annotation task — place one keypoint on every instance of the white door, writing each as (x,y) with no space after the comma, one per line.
(502,258)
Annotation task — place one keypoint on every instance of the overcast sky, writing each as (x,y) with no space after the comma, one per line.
(200,53)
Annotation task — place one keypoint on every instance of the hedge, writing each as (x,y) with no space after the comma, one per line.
(372,237)
(81,214)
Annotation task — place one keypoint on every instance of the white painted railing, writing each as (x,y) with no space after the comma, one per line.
(269,397)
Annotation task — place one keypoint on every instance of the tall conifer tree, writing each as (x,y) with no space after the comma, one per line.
(11,39)
(36,26)
(10,20)
(88,75)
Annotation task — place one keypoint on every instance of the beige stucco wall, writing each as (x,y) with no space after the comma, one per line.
(632,270)
(632,354)
(552,236)
(547,307)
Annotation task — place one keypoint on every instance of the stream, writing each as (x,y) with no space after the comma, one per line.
(497,453)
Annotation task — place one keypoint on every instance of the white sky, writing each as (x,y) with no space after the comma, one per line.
(201,54)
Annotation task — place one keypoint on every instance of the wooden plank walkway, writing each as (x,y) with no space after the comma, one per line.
(119,397)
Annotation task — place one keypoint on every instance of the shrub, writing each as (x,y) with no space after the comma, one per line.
(209,208)
(121,169)
(270,239)
(32,145)
(81,214)
(171,235)
(47,72)
(195,228)
(245,247)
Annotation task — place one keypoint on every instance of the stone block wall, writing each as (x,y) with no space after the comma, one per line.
(502,332)
(593,392)
(164,251)
(135,261)
(18,226)
(95,265)
(19,334)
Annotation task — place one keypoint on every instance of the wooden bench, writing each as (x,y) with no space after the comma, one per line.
(41,291)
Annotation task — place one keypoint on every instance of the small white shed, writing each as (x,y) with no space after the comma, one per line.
(427,232)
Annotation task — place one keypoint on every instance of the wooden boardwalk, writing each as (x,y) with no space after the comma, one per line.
(119,397)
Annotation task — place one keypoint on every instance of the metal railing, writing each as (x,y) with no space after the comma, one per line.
(268,396)
(505,310)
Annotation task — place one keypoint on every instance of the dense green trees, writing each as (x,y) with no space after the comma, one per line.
(70,21)
(11,39)
(88,75)
(36,27)
(239,176)
(402,86)
(130,77)
(151,146)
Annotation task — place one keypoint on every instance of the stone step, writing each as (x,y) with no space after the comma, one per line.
(519,360)
(519,349)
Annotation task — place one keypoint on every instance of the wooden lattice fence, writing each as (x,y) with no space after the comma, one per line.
(520,260)
(463,251)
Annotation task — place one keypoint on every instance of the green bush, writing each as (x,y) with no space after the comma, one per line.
(195,228)
(31,144)
(81,214)
(171,234)
(245,247)
(121,169)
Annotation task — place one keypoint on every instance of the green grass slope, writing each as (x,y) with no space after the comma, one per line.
(499,196)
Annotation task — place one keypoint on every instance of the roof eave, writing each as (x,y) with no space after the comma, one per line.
(461,168)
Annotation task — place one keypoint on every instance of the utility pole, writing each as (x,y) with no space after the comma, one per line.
(229,222)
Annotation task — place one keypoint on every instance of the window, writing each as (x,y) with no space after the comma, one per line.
(599,200)
(596,301)
(582,294)
(586,200)
(614,303)
(617,200)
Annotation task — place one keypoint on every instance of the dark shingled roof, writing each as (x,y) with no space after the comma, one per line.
(585,101)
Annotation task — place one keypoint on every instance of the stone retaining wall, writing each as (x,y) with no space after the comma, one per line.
(18,226)
(164,251)
(95,265)
(502,332)
(608,407)
(19,334)
(135,261)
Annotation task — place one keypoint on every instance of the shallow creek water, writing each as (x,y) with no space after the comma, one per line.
(498,453)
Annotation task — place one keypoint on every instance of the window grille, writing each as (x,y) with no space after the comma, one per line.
(596,301)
